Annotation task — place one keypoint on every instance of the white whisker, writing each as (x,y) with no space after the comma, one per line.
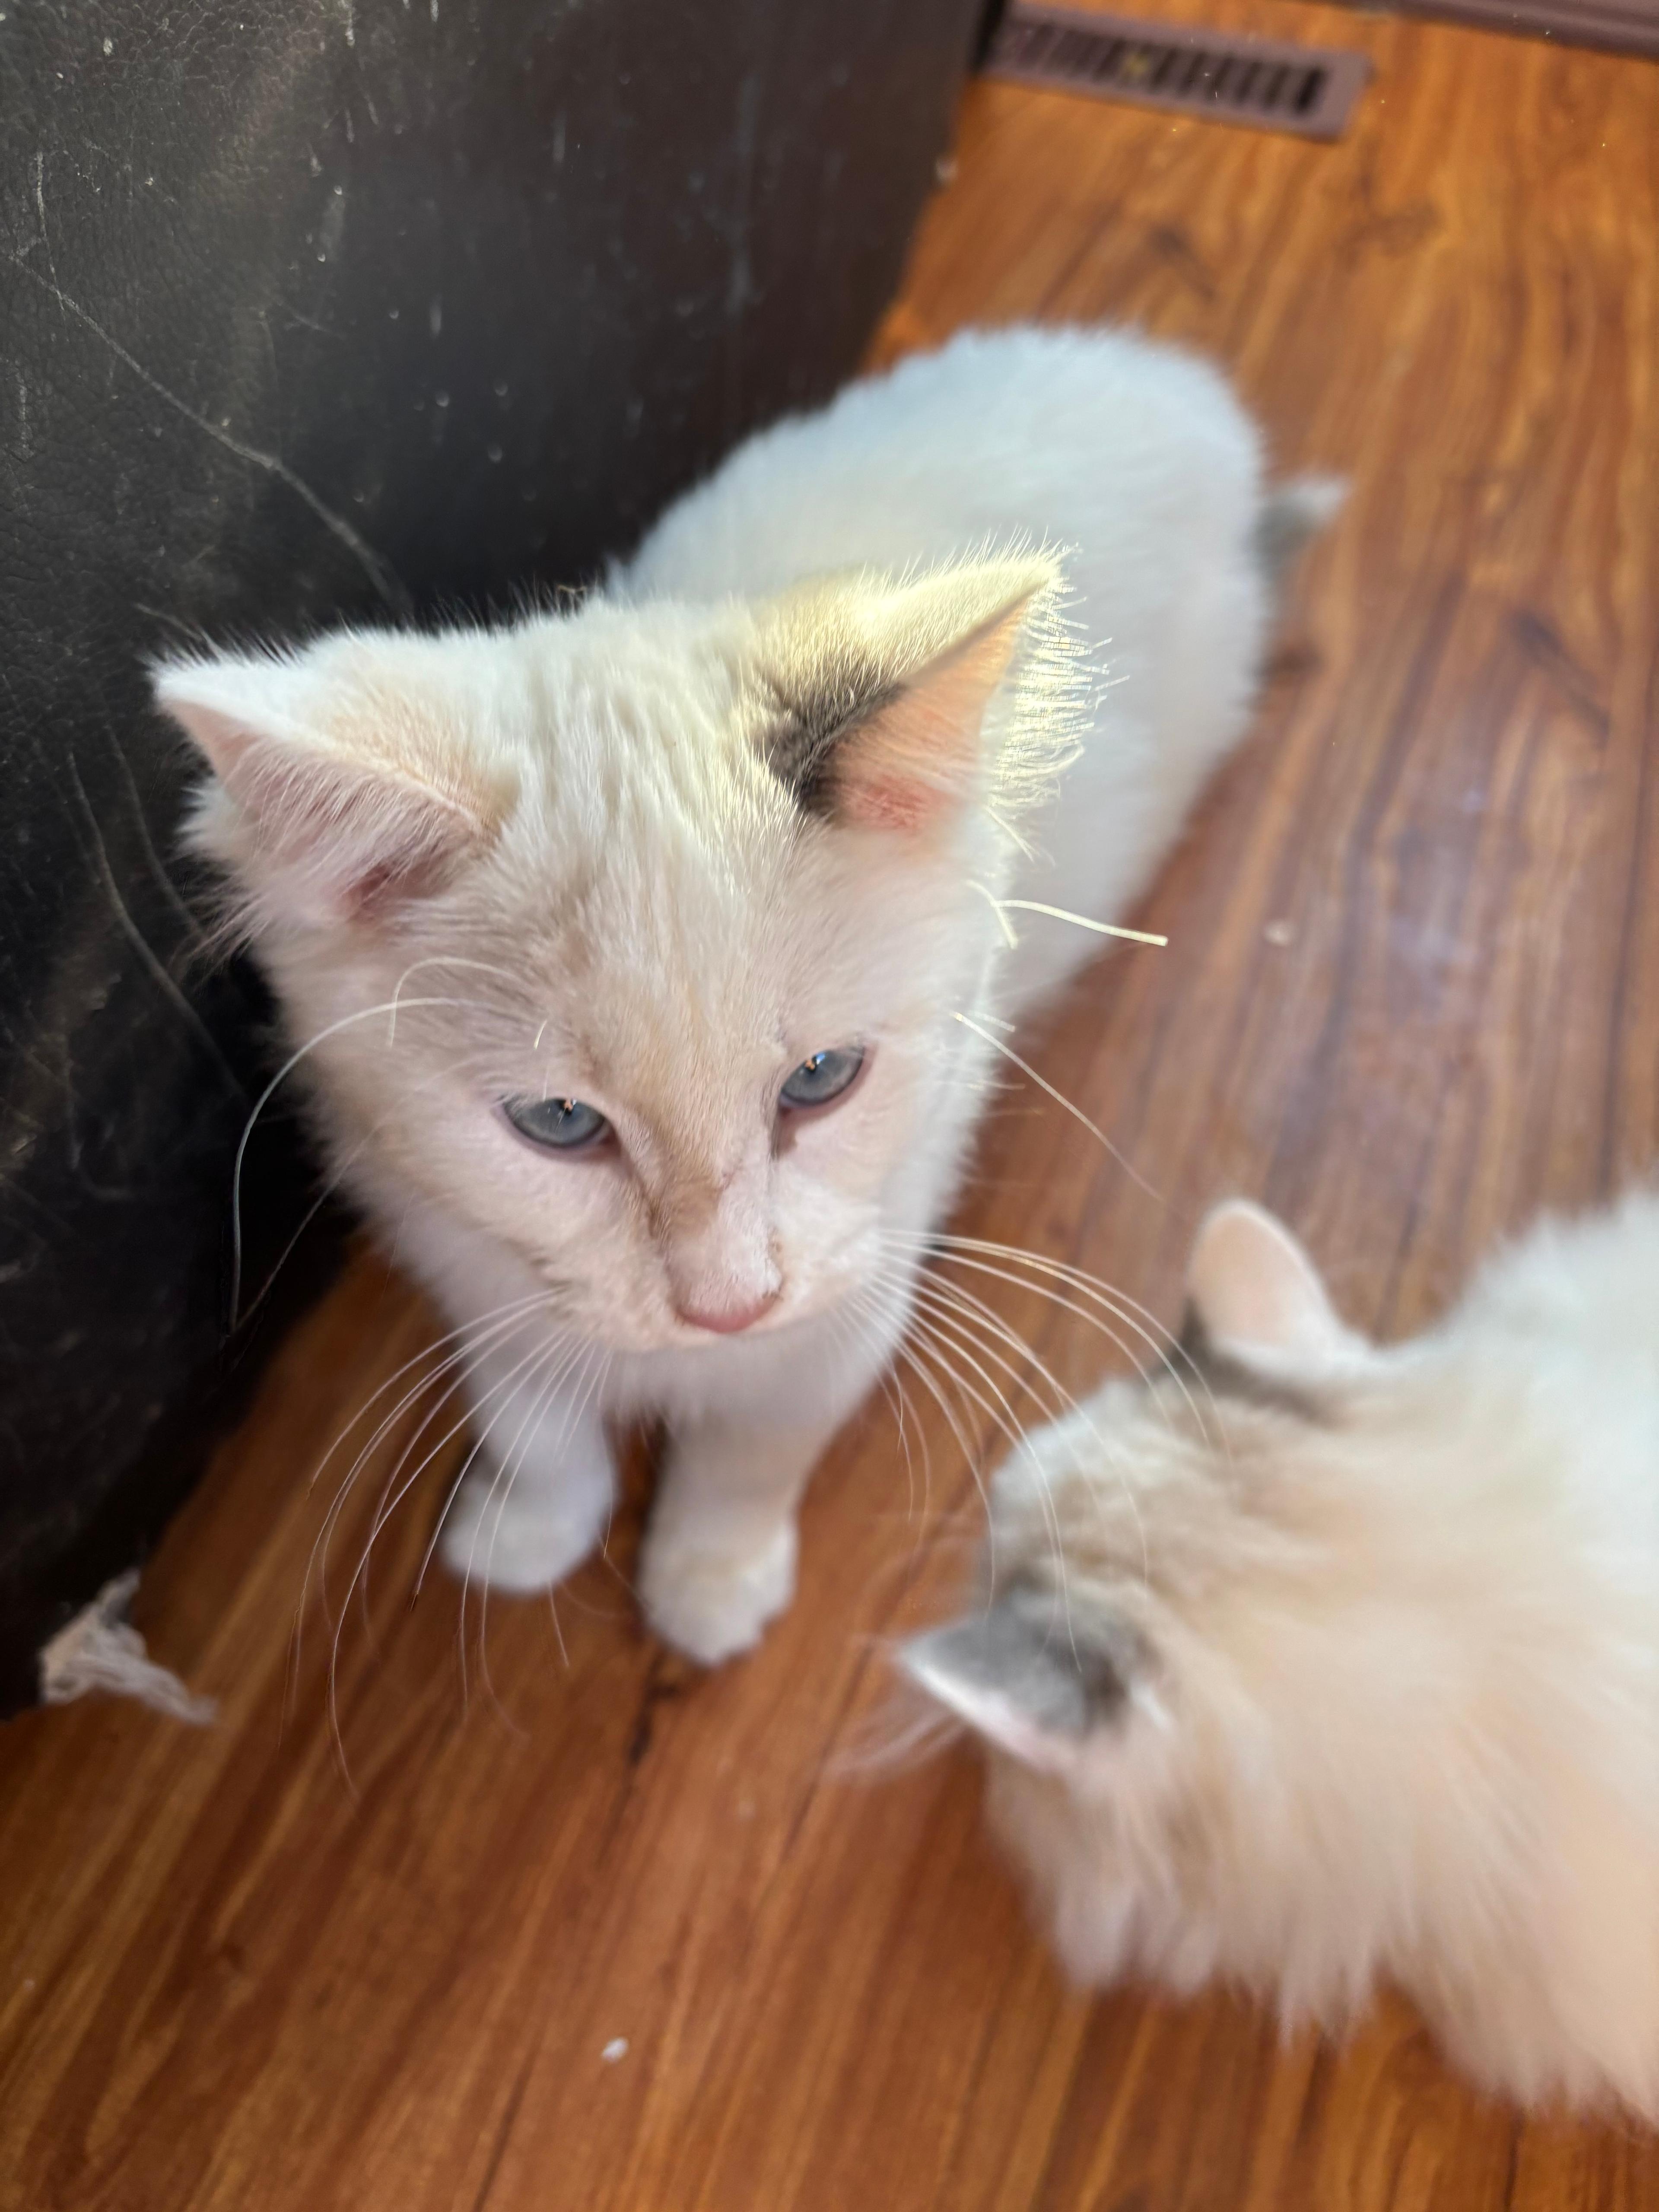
(443,960)
(576,1407)
(407,1484)
(963,1251)
(1064,1401)
(1059,1099)
(484,1335)
(260,1105)
(911,1354)
(546,1359)
(1083,921)
(958,1346)
(506,1474)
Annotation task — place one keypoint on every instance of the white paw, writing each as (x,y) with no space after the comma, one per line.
(517,1540)
(711,1603)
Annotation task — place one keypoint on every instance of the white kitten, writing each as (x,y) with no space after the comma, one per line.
(1347,1665)
(679,895)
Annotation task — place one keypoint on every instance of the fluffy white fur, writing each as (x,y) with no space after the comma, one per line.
(1346,1665)
(569,852)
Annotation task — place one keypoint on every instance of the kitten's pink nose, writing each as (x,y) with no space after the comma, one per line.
(728,1320)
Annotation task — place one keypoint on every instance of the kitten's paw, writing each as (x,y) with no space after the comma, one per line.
(713,1603)
(522,1541)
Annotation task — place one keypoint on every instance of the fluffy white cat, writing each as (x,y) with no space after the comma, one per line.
(1333,1662)
(645,956)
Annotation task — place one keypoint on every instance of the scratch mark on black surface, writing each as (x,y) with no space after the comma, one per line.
(164,882)
(309,323)
(192,632)
(71,1134)
(40,209)
(260,317)
(386,584)
(141,944)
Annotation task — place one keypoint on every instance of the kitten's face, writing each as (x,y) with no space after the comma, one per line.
(672,907)
(606,1094)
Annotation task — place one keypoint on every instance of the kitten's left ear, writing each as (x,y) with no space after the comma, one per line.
(1028,1681)
(882,690)
(1252,1289)
(344,778)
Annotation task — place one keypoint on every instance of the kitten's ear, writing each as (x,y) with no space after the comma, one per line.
(341,784)
(1251,1288)
(882,690)
(1028,1681)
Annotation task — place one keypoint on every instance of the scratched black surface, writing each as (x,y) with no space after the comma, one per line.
(368,308)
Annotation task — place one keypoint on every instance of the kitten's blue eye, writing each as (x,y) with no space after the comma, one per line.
(563,1125)
(824,1076)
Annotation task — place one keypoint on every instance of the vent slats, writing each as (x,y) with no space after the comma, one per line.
(1309,91)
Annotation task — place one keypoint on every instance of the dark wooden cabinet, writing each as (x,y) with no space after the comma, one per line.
(369,310)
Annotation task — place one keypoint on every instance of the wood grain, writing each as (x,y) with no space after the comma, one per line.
(230,1978)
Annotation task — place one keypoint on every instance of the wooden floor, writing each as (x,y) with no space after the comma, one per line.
(1411,990)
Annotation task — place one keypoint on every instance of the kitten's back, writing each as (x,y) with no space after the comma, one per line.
(1135,461)
(1095,439)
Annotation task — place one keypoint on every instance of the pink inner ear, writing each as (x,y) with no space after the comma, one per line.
(371,839)
(918,760)
(381,886)
(888,803)
(333,822)
(221,736)
(1255,1286)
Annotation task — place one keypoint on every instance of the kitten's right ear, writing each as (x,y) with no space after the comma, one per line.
(1029,1679)
(1252,1289)
(882,689)
(341,786)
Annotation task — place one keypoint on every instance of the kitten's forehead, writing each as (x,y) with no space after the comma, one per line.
(656,708)
(659,856)
(666,968)
(678,990)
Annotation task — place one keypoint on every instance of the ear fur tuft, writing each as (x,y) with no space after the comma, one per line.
(882,690)
(340,786)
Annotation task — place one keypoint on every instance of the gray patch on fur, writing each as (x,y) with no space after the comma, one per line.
(801,744)
(1288,519)
(1223,1375)
(1067,1679)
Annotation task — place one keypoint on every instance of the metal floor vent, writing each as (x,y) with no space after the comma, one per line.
(1310,90)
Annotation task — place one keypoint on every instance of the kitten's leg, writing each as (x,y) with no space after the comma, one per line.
(719,1559)
(538,1498)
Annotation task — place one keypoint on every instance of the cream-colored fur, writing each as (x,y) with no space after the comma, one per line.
(1349,1667)
(756,800)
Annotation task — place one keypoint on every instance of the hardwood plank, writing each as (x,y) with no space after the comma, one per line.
(231,1979)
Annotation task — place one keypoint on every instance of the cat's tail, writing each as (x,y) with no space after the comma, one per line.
(1288,518)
